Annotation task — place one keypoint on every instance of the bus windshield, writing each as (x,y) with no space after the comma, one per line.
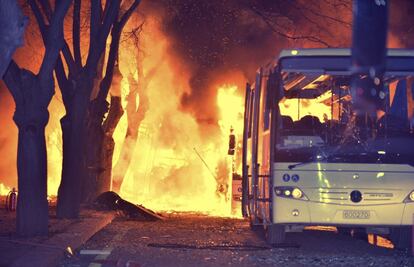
(317,122)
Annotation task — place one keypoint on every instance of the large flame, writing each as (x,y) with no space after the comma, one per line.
(175,167)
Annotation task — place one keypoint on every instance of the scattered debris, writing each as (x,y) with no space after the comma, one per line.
(95,252)
(210,247)
(69,252)
(117,263)
(112,201)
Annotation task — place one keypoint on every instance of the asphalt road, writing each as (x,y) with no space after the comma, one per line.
(197,240)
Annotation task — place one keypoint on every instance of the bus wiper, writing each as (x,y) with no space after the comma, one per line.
(310,160)
(317,158)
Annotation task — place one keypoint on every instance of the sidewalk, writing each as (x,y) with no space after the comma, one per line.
(47,251)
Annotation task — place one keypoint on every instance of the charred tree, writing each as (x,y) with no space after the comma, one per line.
(32,94)
(101,143)
(114,115)
(83,115)
(12,25)
(135,116)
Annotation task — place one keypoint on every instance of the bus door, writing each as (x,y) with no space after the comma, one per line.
(258,182)
(264,147)
(246,156)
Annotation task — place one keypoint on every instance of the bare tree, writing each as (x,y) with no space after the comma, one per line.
(12,25)
(32,94)
(108,128)
(308,21)
(85,117)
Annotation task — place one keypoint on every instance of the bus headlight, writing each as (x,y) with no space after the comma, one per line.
(290,192)
(297,193)
(410,197)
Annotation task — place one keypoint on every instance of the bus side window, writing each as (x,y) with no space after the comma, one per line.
(268,99)
(250,116)
(266,110)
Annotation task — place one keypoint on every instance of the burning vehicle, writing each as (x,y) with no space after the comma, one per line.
(310,159)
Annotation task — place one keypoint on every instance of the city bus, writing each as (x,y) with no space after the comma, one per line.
(310,160)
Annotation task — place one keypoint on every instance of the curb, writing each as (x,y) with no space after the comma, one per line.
(52,250)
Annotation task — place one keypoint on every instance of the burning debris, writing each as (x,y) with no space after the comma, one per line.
(112,201)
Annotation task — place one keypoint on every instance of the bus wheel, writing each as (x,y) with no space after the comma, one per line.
(401,237)
(275,234)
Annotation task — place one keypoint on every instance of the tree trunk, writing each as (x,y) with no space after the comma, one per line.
(94,137)
(32,206)
(74,168)
(82,134)
(31,116)
(107,151)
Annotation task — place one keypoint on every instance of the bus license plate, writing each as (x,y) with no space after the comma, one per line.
(356,214)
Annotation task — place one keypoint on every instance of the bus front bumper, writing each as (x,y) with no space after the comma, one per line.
(290,211)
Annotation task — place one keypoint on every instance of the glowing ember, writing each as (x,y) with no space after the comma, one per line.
(4,190)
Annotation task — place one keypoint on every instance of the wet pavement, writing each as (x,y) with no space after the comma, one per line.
(199,240)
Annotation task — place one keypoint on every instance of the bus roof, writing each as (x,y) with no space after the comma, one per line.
(340,52)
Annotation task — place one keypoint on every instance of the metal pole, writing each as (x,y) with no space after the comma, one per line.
(205,163)
(369,38)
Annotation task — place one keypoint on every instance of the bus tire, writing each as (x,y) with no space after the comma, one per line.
(401,237)
(275,234)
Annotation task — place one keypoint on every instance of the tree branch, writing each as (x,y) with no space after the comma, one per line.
(39,18)
(109,71)
(46,7)
(54,40)
(44,29)
(114,115)
(95,22)
(12,80)
(125,17)
(62,81)
(114,48)
(99,45)
(274,28)
(76,33)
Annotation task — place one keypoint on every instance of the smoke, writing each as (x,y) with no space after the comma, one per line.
(226,41)
(213,38)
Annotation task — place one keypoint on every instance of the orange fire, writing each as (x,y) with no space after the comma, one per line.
(174,166)
(299,108)
(4,190)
